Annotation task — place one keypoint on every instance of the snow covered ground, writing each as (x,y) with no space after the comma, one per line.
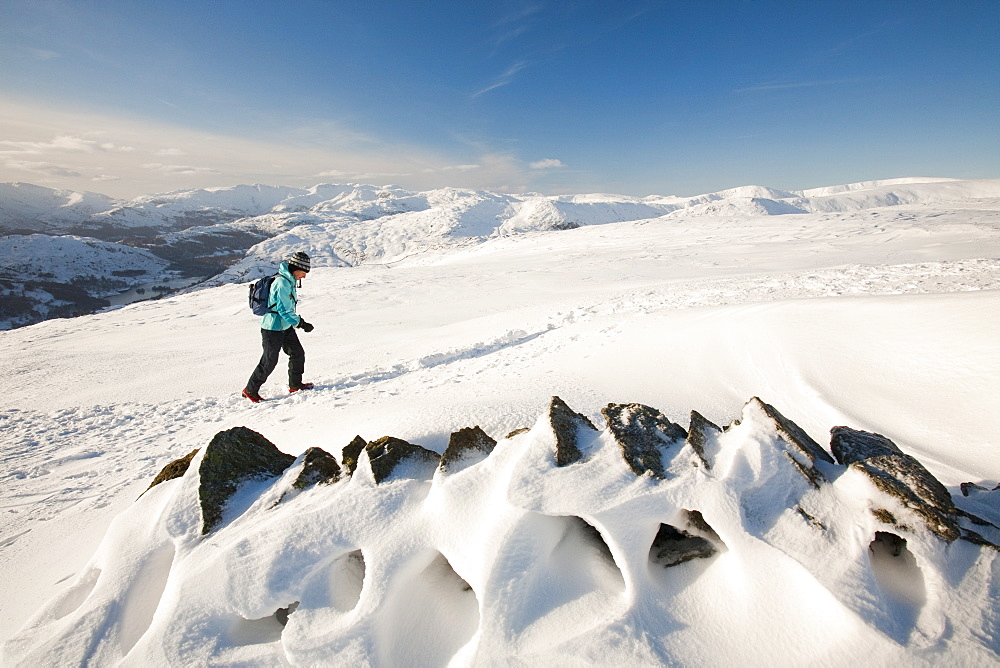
(883,319)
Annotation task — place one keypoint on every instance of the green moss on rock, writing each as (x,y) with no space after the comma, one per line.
(234,457)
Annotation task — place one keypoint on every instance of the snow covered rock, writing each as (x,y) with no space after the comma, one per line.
(319,467)
(174,469)
(898,475)
(519,558)
(802,450)
(699,432)
(232,458)
(673,546)
(466,447)
(351,452)
(566,427)
(388,454)
(642,433)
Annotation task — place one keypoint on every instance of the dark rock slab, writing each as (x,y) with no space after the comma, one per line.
(642,434)
(566,425)
(673,546)
(517,432)
(467,443)
(792,433)
(319,468)
(798,441)
(351,453)
(898,475)
(388,453)
(971,488)
(174,469)
(233,457)
(700,430)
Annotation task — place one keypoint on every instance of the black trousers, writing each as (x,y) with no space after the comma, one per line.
(273,343)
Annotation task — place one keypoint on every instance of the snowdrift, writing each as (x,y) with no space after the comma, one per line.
(642,543)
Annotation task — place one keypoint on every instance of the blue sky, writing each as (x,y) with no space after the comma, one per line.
(626,96)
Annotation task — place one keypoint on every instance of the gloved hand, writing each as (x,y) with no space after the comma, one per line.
(305,326)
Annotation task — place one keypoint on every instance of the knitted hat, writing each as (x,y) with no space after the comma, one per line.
(298,260)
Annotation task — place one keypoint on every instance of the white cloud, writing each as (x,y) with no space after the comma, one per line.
(179,169)
(547,163)
(504,79)
(46,168)
(61,143)
(42,54)
(73,148)
(356,176)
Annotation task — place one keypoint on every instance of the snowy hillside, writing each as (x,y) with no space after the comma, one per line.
(65,258)
(742,547)
(36,209)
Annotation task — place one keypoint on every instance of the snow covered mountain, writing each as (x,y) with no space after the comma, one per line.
(234,234)
(29,208)
(431,320)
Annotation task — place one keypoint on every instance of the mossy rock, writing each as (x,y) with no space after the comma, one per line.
(234,457)
(174,469)
(388,453)
(351,452)
(466,444)
(319,468)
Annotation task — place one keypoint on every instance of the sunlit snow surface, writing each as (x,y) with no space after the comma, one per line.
(882,319)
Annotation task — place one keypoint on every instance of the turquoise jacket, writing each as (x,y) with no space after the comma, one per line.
(282,302)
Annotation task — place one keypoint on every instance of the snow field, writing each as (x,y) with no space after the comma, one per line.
(881,320)
(515,557)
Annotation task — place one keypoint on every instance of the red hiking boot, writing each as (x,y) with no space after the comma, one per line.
(303,386)
(252,396)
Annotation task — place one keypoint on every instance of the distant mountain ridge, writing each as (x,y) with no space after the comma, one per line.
(235,234)
(24,206)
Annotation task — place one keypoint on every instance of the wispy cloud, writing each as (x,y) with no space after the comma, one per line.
(504,79)
(60,143)
(179,170)
(44,168)
(42,54)
(798,84)
(513,25)
(356,176)
(78,149)
(547,163)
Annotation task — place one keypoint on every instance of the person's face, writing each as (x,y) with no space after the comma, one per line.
(298,274)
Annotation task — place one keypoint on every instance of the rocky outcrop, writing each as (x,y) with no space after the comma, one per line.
(319,468)
(900,476)
(389,453)
(174,469)
(642,434)
(972,488)
(700,430)
(566,425)
(802,451)
(232,458)
(467,445)
(351,453)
